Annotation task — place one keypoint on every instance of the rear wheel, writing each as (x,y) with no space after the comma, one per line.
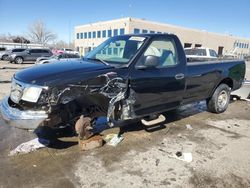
(18,60)
(5,57)
(219,101)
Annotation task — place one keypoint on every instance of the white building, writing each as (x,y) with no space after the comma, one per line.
(89,36)
(10,45)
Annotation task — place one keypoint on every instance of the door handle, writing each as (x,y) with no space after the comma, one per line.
(179,76)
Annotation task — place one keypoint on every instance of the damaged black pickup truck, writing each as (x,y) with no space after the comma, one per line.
(126,77)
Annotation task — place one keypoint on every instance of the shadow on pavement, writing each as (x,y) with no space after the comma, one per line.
(54,135)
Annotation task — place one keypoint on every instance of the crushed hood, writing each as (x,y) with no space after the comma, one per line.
(46,74)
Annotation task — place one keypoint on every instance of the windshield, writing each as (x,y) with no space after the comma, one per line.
(117,50)
(196,52)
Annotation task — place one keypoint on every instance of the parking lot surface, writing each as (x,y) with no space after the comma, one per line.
(218,143)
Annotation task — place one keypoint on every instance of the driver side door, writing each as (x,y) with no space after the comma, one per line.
(160,87)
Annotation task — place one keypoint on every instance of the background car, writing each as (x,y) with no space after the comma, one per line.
(55,58)
(29,55)
(200,54)
(69,51)
(4,55)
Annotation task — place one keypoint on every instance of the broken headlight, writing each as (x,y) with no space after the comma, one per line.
(31,94)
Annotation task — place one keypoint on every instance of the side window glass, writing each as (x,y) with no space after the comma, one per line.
(163,50)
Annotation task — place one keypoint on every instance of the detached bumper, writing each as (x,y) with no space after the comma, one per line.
(21,119)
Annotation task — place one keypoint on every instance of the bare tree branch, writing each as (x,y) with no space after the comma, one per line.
(39,33)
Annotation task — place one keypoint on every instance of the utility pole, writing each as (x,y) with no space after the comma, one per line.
(69,33)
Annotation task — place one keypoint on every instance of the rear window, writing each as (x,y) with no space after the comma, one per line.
(18,50)
(198,52)
(213,53)
(45,51)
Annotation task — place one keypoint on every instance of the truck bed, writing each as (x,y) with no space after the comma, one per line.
(203,77)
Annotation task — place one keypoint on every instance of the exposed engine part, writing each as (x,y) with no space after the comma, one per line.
(104,95)
(83,128)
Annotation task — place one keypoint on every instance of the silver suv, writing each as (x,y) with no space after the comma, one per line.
(4,55)
(29,55)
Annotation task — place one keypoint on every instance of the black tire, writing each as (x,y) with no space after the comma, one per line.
(219,101)
(19,60)
(4,57)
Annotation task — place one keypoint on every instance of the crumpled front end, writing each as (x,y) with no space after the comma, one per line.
(24,119)
(30,106)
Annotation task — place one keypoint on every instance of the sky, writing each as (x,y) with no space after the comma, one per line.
(60,16)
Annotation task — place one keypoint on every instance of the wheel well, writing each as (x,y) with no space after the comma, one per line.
(227,81)
(19,57)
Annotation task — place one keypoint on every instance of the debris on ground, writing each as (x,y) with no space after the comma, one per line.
(187,157)
(91,143)
(189,127)
(157,161)
(113,139)
(30,146)
(236,125)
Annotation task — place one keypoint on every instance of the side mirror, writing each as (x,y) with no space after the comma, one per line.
(152,61)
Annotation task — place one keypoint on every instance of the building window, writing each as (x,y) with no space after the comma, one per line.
(104,34)
(151,32)
(115,51)
(94,34)
(109,33)
(115,32)
(85,35)
(98,34)
(136,31)
(122,31)
(197,45)
(144,31)
(247,46)
(159,32)
(81,35)
(109,51)
(89,35)
(187,45)
(77,35)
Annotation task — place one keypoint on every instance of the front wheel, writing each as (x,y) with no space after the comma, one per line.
(219,101)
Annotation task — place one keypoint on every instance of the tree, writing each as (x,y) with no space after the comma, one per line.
(19,39)
(39,33)
(13,38)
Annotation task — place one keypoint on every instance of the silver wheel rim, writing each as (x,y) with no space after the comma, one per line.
(222,99)
(19,60)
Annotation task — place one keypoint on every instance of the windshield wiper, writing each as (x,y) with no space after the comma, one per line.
(100,60)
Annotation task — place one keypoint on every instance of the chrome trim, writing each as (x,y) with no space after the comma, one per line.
(27,119)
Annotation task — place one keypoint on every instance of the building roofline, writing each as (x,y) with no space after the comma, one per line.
(186,28)
(130,19)
(103,22)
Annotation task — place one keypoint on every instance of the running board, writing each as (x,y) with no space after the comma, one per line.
(161,118)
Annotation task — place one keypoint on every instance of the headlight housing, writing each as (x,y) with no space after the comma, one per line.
(31,94)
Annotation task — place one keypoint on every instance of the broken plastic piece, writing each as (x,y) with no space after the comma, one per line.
(115,139)
(161,118)
(189,127)
(30,146)
(187,157)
